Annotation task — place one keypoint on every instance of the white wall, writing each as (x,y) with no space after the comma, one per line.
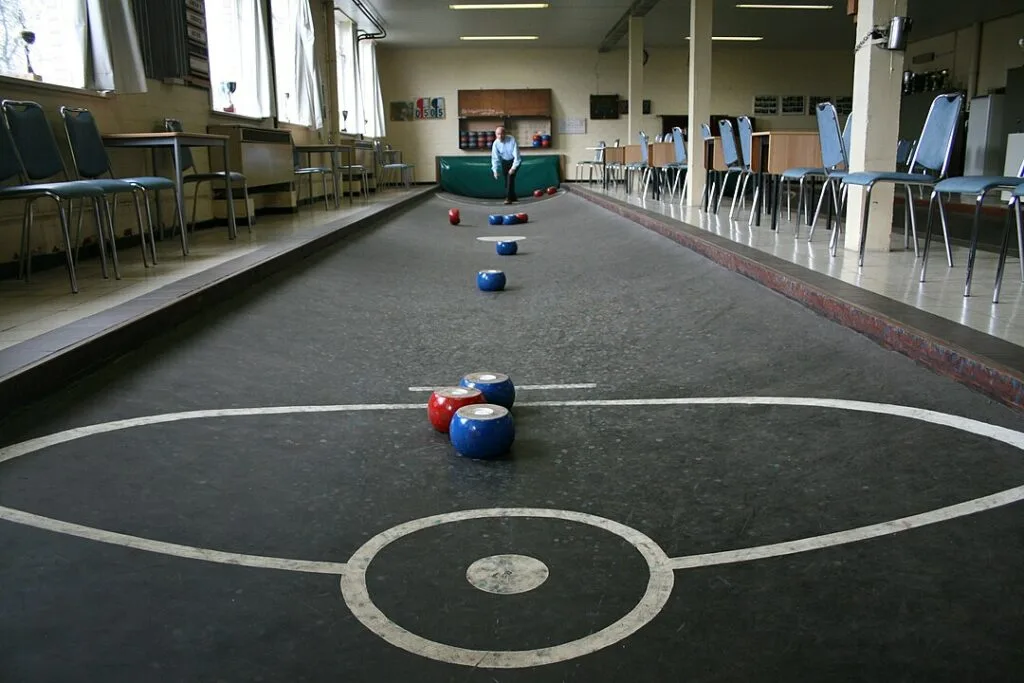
(575,74)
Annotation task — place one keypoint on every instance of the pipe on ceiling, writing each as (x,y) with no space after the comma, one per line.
(639,8)
(381,32)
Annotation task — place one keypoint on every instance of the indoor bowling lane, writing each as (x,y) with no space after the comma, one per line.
(305,523)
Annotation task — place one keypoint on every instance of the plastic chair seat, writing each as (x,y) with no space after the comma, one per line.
(213,175)
(976,184)
(75,189)
(150,182)
(802,172)
(109,185)
(871,177)
(312,169)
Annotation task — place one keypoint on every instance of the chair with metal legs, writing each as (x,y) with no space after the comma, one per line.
(187,162)
(746,137)
(309,172)
(11,166)
(733,163)
(707,197)
(37,148)
(91,161)
(590,164)
(1014,211)
(679,165)
(979,186)
(641,166)
(931,156)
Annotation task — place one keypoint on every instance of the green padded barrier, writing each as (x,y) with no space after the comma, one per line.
(471,175)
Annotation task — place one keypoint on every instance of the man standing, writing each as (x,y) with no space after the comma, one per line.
(505,160)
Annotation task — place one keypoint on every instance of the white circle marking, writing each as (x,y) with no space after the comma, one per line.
(507,574)
(357,594)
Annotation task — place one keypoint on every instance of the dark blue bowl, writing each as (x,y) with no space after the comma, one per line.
(495,219)
(482,431)
(510,219)
(490,280)
(507,248)
(496,387)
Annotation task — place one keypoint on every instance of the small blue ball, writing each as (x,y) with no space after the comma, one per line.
(496,387)
(510,219)
(490,280)
(495,219)
(482,431)
(510,248)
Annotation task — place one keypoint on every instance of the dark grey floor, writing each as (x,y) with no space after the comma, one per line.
(591,298)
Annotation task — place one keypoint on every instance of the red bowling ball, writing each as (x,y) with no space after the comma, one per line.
(522,217)
(538,193)
(453,216)
(445,401)
(552,190)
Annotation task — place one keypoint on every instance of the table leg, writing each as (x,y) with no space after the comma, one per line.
(776,199)
(179,192)
(351,153)
(232,222)
(159,213)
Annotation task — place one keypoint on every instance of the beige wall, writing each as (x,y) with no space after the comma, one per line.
(573,75)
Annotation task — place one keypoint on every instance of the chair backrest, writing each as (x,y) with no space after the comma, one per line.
(678,145)
(730,155)
(746,139)
(10,162)
(599,152)
(185,154)
(616,142)
(847,137)
(34,140)
(936,142)
(903,150)
(833,155)
(644,158)
(705,131)
(88,155)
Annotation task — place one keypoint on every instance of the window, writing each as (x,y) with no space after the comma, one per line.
(298,85)
(348,88)
(51,35)
(239,63)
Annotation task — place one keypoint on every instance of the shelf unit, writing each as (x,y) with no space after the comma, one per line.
(522,112)
(173,40)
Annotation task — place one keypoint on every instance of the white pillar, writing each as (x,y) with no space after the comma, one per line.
(636,78)
(877,84)
(699,109)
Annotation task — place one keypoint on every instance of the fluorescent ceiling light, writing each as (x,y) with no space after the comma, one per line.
(497,37)
(759,6)
(743,39)
(495,5)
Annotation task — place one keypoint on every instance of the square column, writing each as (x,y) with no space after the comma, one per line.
(636,78)
(699,109)
(877,86)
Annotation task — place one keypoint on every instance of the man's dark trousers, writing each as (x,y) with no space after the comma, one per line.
(510,180)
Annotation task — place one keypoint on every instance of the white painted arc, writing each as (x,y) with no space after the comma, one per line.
(526,387)
(173,549)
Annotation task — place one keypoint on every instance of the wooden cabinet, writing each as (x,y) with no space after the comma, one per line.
(481,111)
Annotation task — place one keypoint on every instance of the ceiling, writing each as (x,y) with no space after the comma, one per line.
(584,23)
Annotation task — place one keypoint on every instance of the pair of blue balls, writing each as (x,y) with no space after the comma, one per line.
(498,219)
(485,431)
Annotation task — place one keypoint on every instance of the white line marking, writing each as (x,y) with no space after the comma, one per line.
(357,595)
(528,387)
(851,535)
(186,551)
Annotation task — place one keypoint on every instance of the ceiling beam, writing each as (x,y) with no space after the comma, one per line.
(639,8)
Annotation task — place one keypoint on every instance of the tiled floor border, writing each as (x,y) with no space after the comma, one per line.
(32,369)
(985,363)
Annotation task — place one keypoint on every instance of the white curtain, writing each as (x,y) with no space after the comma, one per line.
(307,88)
(349,99)
(371,100)
(239,55)
(114,55)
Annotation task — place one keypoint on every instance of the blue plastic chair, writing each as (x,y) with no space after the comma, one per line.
(643,166)
(931,156)
(12,167)
(745,133)
(90,159)
(979,186)
(42,162)
(309,172)
(591,164)
(707,198)
(680,164)
(1014,209)
(732,160)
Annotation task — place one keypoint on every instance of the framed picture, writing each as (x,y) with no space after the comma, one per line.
(794,105)
(814,100)
(766,105)
(402,111)
(844,105)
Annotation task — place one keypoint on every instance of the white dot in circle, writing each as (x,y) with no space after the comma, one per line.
(460,392)
(488,378)
(483,411)
(507,574)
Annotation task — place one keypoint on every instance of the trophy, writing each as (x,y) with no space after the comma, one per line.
(30,38)
(228,88)
(344,120)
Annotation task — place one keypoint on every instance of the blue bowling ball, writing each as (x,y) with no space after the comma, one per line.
(490,280)
(510,219)
(507,248)
(495,219)
(482,431)
(496,387)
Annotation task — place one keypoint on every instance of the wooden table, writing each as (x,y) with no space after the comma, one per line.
(332,148)
(175,141)
(775,151)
